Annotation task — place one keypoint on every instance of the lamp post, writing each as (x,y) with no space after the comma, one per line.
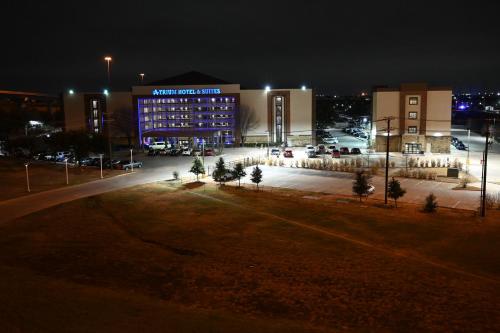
(108,60)
(100,157)
(468,150)
(27,177)
(142,78)
(66,165)
(131,160)
(268,139)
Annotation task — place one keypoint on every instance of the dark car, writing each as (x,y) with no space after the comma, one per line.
(288,153)
(355,151)
(461,146)
(209,152)
(153,152)
(321,149)
(175,152)
(86,161)
(344,151)
(335,153)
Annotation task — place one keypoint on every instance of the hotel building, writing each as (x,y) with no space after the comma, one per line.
(421,119)
(192,107)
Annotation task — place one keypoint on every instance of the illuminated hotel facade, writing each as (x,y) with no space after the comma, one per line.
(193,107)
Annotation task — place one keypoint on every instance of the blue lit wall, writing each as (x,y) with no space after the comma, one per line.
(181,116)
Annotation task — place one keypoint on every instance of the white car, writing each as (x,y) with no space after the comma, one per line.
(187,152)
(158,145)
(310,148)
(331,140)
(275,152)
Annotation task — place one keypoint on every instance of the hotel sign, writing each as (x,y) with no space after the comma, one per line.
(206,91)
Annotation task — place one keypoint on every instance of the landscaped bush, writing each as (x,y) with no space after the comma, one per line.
(411,162)
(393,164)
(381,161)
(430,203)
(433,163)
(359,162)
(422,163)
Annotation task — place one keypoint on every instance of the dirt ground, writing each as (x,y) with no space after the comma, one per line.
(195,259)
(43,176)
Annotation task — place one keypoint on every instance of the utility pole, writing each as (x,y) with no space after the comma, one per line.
(388,119)
(485,168)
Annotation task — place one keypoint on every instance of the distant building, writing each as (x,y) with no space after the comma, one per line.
(194,107)
(22,111)
(421,118)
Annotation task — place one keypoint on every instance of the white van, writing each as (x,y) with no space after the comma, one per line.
(158,145)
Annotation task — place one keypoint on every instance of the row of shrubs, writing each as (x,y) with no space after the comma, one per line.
(419,174)
(344,165)
(434,163)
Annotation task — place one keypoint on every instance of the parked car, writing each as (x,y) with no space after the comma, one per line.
(196,152)
(153,152)
(62,155)
(164,152)
(127,165)
(310,147)
(355,151)
(157,145)
(321,149)
(461,146)
(344,151)
(209,152)
(335,153)
(107,163)
(228,176)
(363,135)
(275,152)
(187,152)
(288,153)
(175,152)
(86,161)
(454,140)
(331,148)
(310,153)
(331,140)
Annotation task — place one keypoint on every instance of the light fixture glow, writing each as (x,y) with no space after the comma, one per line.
(438,134)
(106,92)
(108,58)
(71,91)
(268,88)
(304,88)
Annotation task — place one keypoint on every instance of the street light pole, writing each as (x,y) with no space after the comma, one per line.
(108,60)
(66,164)
(485,168)
(268,143)
(131,160)
(468,150)
(100,157)
(27,177)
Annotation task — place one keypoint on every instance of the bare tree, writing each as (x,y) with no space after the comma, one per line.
(248,122)
(123,122)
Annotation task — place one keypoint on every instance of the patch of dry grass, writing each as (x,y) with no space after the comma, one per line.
(259,261)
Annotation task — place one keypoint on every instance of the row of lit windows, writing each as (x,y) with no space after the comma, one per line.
(184,125)
(185,108)
(188,100)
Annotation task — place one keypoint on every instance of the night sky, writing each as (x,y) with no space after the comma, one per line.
(333,46)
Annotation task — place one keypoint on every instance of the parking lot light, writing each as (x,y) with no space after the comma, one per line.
(100,157)
(27,177)
(71,92)
(131,160)
(66,163)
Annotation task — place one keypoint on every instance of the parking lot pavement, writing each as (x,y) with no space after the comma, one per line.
(341,183)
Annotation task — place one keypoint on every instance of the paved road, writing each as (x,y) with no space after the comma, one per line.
(341,183)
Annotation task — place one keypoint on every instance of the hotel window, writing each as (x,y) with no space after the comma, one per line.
(412,129)
(412,115)
(413,101)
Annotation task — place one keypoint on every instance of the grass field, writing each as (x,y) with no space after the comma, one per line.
(43,176)
(196,259)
